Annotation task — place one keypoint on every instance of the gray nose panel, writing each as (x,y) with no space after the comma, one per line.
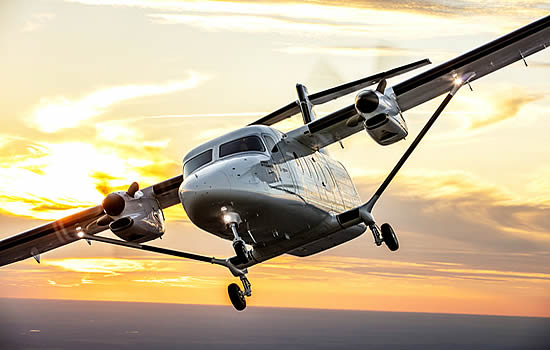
(203,193)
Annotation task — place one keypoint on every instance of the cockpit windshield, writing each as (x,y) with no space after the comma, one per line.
(244,144)
(196,162)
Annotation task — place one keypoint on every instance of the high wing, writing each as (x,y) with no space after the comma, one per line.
(325,96)
(486,59)
(477,63)
(33,242)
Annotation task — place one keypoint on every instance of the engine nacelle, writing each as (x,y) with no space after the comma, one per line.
(136,218)
(381,117)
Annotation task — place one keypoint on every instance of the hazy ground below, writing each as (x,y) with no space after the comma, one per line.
(56,324)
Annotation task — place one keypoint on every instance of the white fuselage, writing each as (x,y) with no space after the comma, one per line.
(286,202)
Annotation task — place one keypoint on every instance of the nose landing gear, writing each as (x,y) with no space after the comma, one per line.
(237,296)
(239,246)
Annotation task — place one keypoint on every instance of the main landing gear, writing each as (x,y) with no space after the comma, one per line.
(385,234)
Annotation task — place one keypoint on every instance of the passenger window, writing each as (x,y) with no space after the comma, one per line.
(244,144)
(308,168)
(331,177)
(196,162)
(315,169)
(325,176)
(298,161)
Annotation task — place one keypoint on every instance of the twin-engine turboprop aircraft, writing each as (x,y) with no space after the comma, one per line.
(272,193)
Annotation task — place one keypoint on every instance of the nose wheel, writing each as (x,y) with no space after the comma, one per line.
(238,296)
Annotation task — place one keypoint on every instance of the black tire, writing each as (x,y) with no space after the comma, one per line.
(236,296)
(389,237)
(240,251)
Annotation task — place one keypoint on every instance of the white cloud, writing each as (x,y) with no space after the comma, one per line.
(308,19)
(53,114)
(36,21)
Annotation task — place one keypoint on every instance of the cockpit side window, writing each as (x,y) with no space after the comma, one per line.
(244,144)
(196,162)
(271,146)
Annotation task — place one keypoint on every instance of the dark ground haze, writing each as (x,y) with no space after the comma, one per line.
(53,324)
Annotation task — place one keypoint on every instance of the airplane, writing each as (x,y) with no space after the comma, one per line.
(272,193)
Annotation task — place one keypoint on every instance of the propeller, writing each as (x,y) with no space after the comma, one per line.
(134,187)
(113,204)
(382,86)
(366,102)
(354,121)
(104,220)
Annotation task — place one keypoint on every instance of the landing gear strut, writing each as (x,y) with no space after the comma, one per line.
(236,295)
(239,246)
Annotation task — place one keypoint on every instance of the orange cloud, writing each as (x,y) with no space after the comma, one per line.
(505,105)
(461,195)
(108,266)
(48,180)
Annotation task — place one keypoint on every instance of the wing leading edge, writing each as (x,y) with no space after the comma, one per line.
(328,95)
(49,236)
(58,233)
(486,59)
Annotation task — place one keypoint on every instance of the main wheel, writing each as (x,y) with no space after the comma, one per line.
(236,296)
(389,237)
(240,251)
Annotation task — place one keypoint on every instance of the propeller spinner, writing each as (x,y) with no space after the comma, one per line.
(114,204)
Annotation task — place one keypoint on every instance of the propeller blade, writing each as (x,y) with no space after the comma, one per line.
(134,187)
(382,86)
(113,204)
(104,220)
(353,121)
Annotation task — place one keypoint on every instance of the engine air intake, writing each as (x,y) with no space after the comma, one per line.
(376,121)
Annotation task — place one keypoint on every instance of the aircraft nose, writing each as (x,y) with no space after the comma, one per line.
(204,191)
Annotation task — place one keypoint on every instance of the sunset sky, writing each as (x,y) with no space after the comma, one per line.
(96,94)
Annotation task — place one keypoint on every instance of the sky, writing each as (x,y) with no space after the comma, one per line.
(97,94)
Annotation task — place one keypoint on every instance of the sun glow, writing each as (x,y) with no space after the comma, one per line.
(59,179)
(51,179)
(104,266)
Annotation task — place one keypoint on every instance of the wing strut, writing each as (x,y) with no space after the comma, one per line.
(363,213)
(223,262)
(459,82)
